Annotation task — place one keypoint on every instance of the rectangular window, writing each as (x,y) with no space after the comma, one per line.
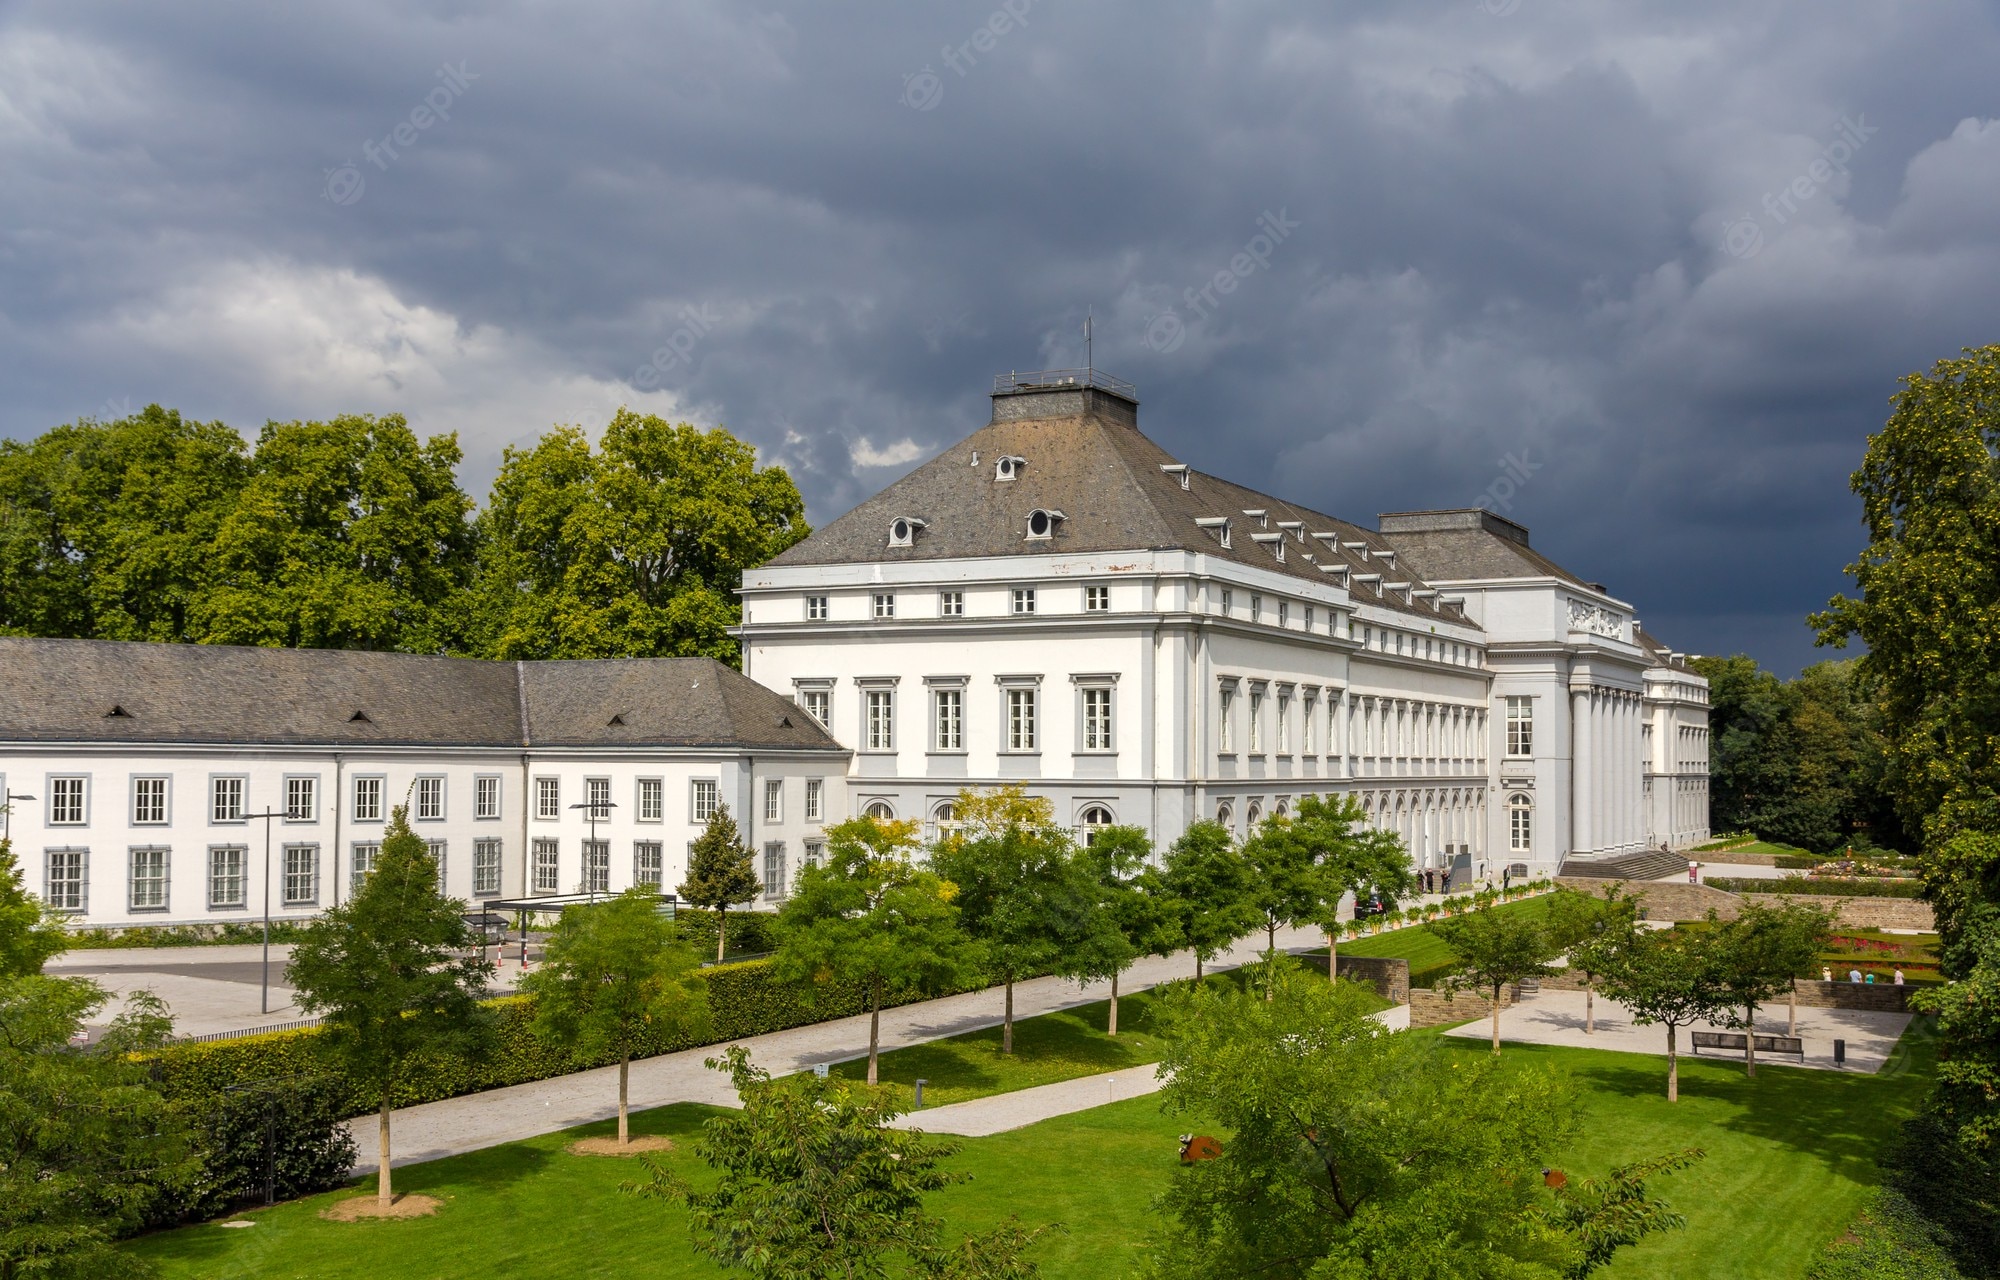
(1307,709)
(774,869)
(815,801)
(1284,724)
(881,720)
(485,867)
(815,853)
(368,799)
(815,608)
(486,797)
(818,704)
(1284,612)
(1224,739)
(652,800)
(149,802)
(1021,720)
(1520,827)
(1097,719)
(68,879)
(66,801)
(951,604)
(597,866)
(706,796)
(226,799)
(1097,599)
(885,604)
(1307,624)
(1256,608)
(548,799)
(1024,599)
(301,799)
(648,869)
(1225,602)
(437,852)
(149,878)
(597,795)
(545,866)
(225,875)
(774,799)
(361,863)
(949,708)
(301,875)
(1256,722)
(1520,726)
(430,799)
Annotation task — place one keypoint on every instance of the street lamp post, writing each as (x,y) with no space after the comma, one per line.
(264,995)
(7,814)
(595,811)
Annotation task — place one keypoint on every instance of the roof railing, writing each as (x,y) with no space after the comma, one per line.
(1061,380)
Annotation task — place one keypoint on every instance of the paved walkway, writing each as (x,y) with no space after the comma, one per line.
(1556,1017)
(471,1123)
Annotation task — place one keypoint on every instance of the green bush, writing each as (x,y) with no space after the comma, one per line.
(1890,1241)
(750,932)
(1801,887)
(285,1132)
(188,935)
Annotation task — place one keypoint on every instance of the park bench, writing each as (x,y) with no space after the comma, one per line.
(1733,1041)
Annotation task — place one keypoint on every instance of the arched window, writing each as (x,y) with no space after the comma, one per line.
(1092,820)
(1225,814)
(1252,814)
(1280,809)
(880,811)
(1520,823)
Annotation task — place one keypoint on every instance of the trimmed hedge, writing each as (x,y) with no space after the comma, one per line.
(743,1001)
(1800,886)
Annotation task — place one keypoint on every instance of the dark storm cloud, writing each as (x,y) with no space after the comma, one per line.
(1544,254)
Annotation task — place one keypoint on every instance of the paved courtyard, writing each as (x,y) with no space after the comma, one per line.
(1556,1017)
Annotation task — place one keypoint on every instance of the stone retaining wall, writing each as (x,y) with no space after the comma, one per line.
(1389,977)
(1878,997)
(1868,913)
(1678,900)
(1433,1009)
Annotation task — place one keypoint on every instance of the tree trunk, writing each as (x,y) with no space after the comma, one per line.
(1197,968)
(624,1112)
(874,1030)
(1496,1019)
(721,932)
(1750,1040)
(1332,956)
(1270,956)
(1589,1009)
(1007,1023)
(1792,1011)
(383,1196)
(1113,1024)
(1673,1068)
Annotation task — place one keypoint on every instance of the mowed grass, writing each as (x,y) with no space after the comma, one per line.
(1423,948)
(1790,1157)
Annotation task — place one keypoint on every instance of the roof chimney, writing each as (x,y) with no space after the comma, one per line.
(1064,393)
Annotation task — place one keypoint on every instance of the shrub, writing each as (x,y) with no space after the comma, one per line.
(287,1132)
(1890,1241)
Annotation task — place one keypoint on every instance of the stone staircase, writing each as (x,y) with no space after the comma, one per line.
(1647,864)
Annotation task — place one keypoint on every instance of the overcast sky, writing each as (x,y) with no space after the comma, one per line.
(1643,283)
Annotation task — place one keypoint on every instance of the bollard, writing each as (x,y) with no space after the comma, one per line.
(1840,1053)
(920,1094)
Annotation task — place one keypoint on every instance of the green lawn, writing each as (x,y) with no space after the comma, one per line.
(1790,1156)
(1421,947)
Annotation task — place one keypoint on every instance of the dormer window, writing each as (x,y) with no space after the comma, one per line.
(1008,467)
(1296,528)
(1358,548)
(903,531)
(1260,515)
(1178,470)
(1217,525)
(1042,523)
(1275,541)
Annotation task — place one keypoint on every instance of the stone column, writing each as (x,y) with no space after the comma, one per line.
(1580,784)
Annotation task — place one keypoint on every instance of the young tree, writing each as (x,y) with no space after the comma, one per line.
(87,1146)
(614,977)
(1350,1150)
(1496,948)
(1126,911)
(1593,932)
(1759,954)
(30,933)
(870,916)
(1351,857)
(394,972)
(1209,890)
(1668,977)
(815,1185)
(1286,887)
(1017,885)
(720,872)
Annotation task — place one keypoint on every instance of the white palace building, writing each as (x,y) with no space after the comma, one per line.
(1053,601)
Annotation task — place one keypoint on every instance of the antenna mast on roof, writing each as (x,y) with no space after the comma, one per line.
(1089,359)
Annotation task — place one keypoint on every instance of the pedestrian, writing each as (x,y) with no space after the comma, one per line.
(1447,881)
(1854,975)
(1898,979)
(1507,879)
(1694,872)
(1870,979)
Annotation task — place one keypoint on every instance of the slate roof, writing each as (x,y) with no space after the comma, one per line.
(1104,476)
(66,690)
(1458,546)
(1660,653)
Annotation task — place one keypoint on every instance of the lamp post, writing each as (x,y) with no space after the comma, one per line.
(7,814)
(264,994)
(595,810)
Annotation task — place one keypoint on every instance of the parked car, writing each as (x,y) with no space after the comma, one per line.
(1372,905)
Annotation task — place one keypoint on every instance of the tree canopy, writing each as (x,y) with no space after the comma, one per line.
(1209,890)
(30,933)
(720,873)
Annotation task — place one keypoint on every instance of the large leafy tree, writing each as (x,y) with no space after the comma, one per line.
(1350,1150)
(871,916)
(1497,947)
(394,972)
(635,550)
(720,873)
(350,534)
(616,976)
(1125,912)
(1351,856)
(814,1185)
(106,527)
(87,1146)
(1210,889)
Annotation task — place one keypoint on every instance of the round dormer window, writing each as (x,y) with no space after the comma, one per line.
(1041,524)
(900,531)
(903,531)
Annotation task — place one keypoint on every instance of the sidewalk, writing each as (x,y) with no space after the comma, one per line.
(432,1130)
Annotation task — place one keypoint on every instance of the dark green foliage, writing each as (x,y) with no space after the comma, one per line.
(814,1184)
(29,932)
(287,1132)
(1891,1241)
(1604,1214)
(751,933)
(1496,949)
(1208,888)
(1950,1186)
(720,872)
